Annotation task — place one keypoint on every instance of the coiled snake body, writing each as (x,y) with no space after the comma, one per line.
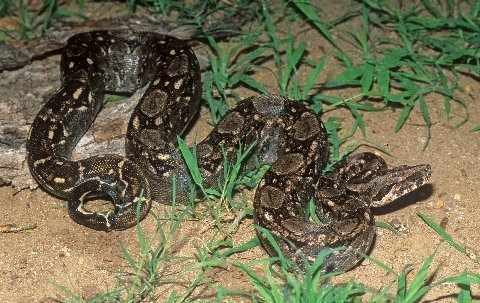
(286,134)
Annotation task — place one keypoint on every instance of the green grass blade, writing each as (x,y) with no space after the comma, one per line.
(275,289)
(367,78)
(405,112)
(249,81)
(417,288)
(307,9)
(386,226)
(67,291)
(475,9)
(383,80)
(432,9)
(351,76)
(190,160)
(441,232)
(266,233)
(313,76)
(476,128)
(426,117)
(260,286)
(254,242)
(378,263)
(401,287)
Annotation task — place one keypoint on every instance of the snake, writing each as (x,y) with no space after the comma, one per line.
(284,133)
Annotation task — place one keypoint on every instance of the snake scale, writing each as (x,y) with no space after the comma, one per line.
(287,135)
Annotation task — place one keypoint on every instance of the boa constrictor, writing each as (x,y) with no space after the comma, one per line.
(287,135)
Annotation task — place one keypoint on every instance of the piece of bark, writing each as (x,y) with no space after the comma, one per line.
(22,52)
(24,91)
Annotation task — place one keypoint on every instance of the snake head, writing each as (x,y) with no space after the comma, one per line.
(389,184)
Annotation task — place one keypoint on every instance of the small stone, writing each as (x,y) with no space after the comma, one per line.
(395,223)
(457,197)
(64,252)
(444,222)
(438,204)
(399,226)
(471,254)
(411,276)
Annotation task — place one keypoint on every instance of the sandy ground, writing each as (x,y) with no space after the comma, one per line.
(86,261)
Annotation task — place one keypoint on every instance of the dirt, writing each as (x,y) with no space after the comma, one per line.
(86,262)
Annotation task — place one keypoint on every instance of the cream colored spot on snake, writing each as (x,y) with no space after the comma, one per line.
(41,161)
(71,64)
(89,61)
(173,52)
(50,134)
(83,108)
(268,216)
(90,97)
(82,209)
(59,180)
(163,157)
(178,84)
(100,38)
(77,93)
(155,83)
(136,123)
(158,120)
(136,199)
